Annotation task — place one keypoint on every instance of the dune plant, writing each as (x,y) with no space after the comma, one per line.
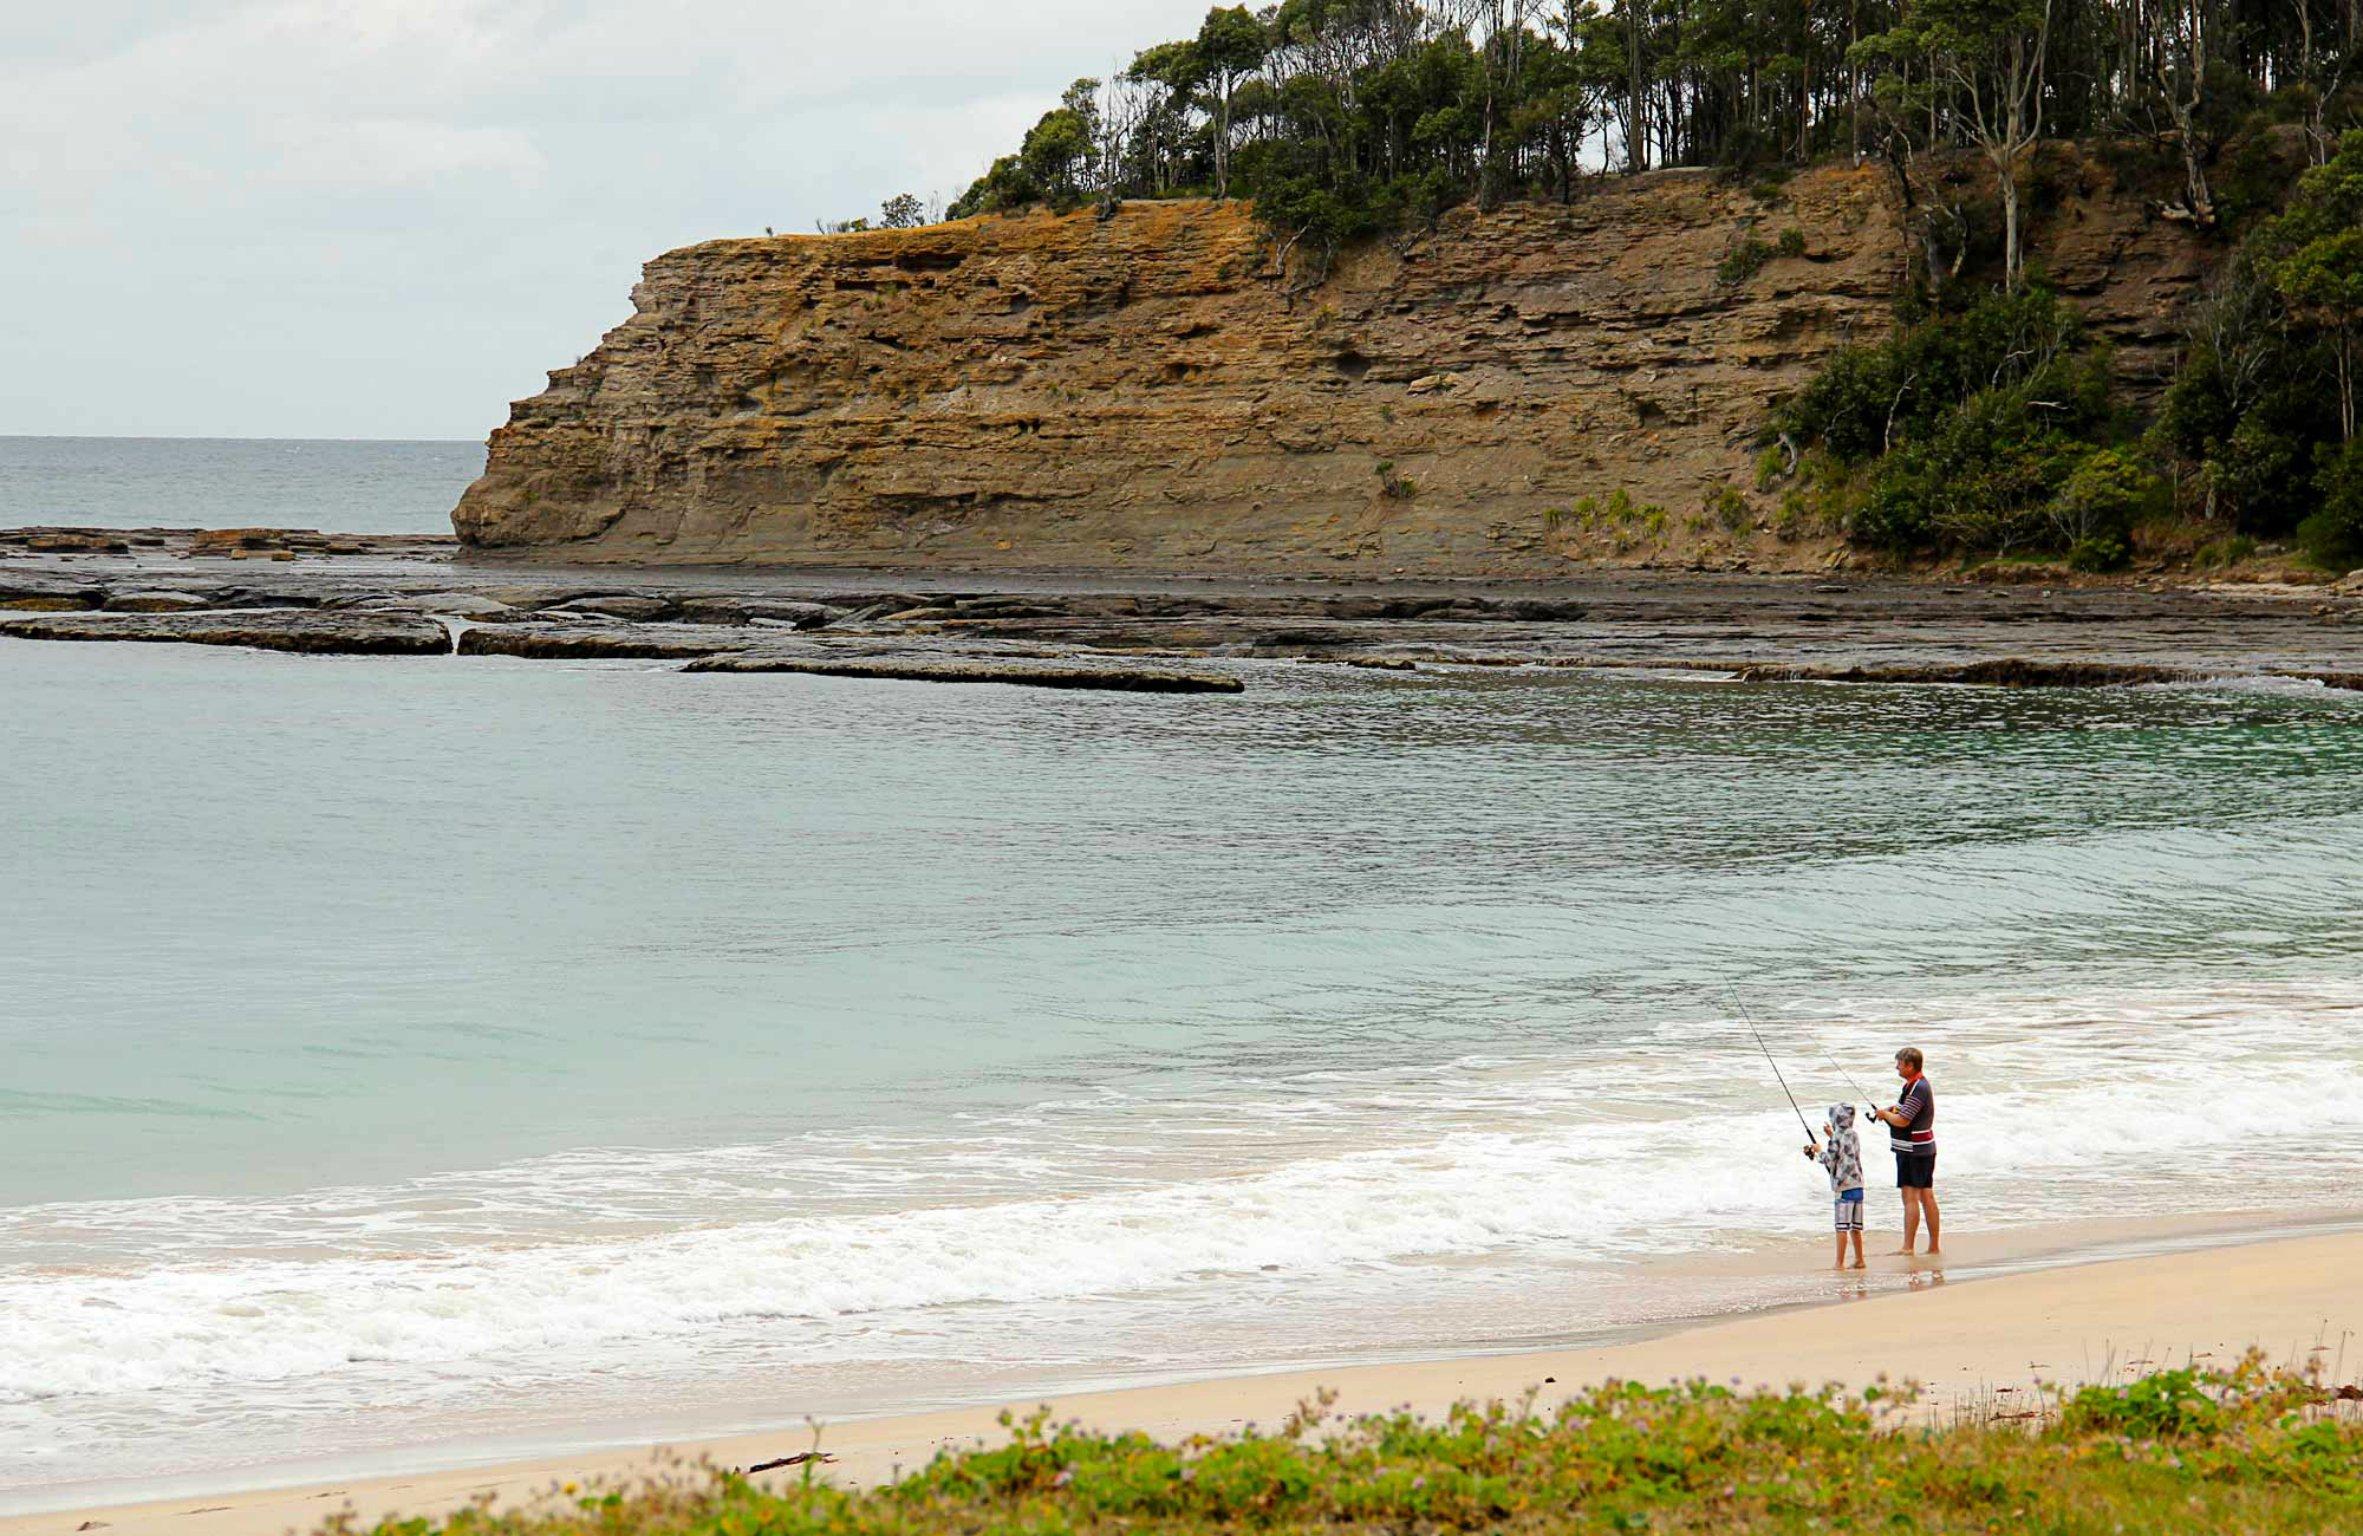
(2247,1449)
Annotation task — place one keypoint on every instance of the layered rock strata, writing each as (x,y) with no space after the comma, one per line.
(1148,392)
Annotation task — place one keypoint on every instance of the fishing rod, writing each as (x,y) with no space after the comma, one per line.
(1775,1065)
(1842,1072)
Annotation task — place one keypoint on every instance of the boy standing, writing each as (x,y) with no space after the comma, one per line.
(1841,1153)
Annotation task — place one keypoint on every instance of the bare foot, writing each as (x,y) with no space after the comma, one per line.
(1899,1253)
(1858,1263)
(1933,1250)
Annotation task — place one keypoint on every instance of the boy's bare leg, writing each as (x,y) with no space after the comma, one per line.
(1928,1200)
(1858,1248)
(1840,1261)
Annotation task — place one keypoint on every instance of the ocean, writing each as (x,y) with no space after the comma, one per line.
(212,482)
(424,1059)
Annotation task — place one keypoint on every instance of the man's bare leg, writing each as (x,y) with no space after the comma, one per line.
(1911,1223)
(1928,1199)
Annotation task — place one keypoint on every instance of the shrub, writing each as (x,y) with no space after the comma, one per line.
(2160,1407)
(2106,493)
(1974,421)
(2264,472)
(1867,399)
(1849,406)
(2333,536)
(2229,551)
(1743,261)
(2100,552)
(1983,476)
(2183,1451)
(1894,516)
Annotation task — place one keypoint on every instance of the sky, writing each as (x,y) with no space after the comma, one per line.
(389,218)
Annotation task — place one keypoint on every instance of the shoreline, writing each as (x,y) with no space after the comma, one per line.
(2000,1325)
(414,596)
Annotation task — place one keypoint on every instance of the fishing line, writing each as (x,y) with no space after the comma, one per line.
(1842,1072)
(1767,1050)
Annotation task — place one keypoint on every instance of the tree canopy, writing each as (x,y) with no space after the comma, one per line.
(1341,116)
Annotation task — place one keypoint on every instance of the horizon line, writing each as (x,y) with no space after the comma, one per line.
(210,437)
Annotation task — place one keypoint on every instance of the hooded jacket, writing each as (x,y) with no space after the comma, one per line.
(1842,1152)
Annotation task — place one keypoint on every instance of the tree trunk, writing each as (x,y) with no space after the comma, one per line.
(1854,78)
(2010,260)
(2202,200)
(1222,143)
(1636,119)
(2346,382)
(2184,96)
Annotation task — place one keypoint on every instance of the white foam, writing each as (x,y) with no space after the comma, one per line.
(2050,1109)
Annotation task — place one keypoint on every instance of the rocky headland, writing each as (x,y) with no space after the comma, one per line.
(1130,453)
(1151,392)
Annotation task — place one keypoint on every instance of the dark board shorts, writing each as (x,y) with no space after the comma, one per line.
(1915,1170)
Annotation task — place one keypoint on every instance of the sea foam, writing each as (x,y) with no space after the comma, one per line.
(2055,1109)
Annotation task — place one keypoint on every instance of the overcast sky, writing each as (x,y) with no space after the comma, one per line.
(387,218)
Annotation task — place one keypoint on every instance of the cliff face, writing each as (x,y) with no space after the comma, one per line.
(1145,393)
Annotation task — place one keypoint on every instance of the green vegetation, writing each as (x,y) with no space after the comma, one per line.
(2263,411)
(1743,261)
(1986,426)
(1348,117)
(1979,428)
(1728,509)
(1750,255)
(901,211)
(2246,1450)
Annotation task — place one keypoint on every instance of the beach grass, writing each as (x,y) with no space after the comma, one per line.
(2250,1449)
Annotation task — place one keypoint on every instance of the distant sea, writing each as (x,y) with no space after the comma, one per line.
(235,482)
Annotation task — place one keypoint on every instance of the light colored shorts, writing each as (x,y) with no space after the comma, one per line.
(1849,1213)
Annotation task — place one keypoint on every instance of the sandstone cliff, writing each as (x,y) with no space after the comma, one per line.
(1146,392)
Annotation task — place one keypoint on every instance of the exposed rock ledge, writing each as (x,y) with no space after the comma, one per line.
(310,634)
(1747,628)
(1031,674)
(1045,393)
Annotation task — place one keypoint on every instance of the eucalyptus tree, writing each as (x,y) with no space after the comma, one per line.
(1990,57)
(1230,46)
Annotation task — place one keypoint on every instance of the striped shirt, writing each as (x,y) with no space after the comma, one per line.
(1918,1132)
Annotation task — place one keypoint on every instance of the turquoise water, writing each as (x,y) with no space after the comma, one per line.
(218,482)
(412,1053)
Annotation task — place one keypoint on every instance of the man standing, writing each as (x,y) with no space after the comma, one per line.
(1911,1134)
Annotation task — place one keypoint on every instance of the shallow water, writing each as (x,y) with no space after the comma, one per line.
(230,482)
(414,1052)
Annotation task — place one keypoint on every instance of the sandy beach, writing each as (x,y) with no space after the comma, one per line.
(1964,1341)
